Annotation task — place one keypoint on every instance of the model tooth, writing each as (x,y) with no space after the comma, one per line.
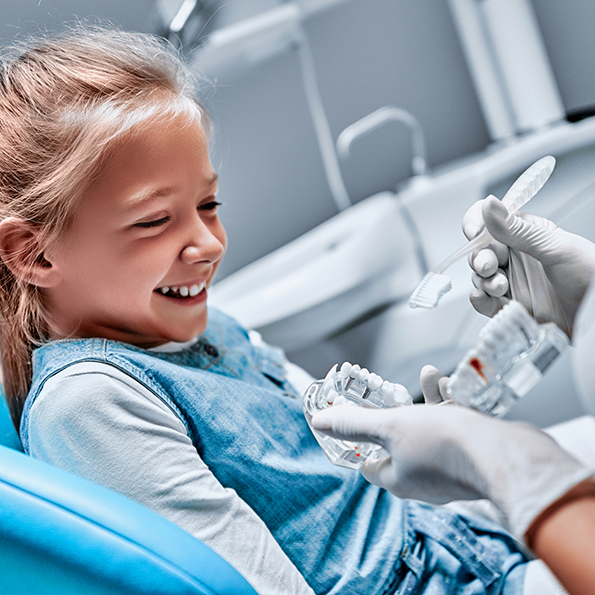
(490,342)
(332,372)
(363,375)
(339,400)
(194,290)
(332,397)
(164,290)
(374,382)
(184,291)
(518,316)
(483,351)
(387,388)
(346,368)
(467,372)
(355,370)
(500,333)
(329,381)
(402,397)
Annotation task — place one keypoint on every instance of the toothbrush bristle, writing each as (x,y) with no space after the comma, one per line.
(430,289)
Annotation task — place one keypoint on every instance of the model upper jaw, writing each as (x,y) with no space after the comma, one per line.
(183,290)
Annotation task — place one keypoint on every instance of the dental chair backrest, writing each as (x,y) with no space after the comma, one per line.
(63,535)
(8,435)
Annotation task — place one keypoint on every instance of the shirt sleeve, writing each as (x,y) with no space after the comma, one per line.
(97,422)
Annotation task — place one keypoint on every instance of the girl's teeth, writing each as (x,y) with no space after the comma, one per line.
(184,290)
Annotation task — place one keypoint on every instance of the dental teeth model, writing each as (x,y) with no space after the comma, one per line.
(351,385)
(513,353)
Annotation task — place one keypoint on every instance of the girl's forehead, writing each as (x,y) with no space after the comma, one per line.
(152,160)
(152,131)
(152,137)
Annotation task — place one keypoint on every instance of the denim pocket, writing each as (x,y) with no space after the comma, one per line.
(457,555)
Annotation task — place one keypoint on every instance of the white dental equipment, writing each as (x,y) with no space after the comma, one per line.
(510,359)
(434,285)
(351,385)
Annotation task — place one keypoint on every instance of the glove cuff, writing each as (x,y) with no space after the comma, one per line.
(582,489)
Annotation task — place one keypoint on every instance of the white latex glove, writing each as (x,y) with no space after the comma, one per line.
(441,453)
(534,262)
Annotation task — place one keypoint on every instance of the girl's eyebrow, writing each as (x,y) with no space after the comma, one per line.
(144,195)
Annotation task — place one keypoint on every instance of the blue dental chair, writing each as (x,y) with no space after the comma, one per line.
(62,535)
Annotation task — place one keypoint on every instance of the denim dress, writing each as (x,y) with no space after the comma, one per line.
(245,420)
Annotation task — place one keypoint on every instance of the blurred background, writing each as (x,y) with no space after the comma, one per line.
(365,55)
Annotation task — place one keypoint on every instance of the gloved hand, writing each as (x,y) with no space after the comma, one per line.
(440,453)
(533,261)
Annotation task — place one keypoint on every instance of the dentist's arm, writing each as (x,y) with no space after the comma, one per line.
(545,268)
(565,539)
(440,453)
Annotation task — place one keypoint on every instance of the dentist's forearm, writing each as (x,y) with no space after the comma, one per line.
(565,541)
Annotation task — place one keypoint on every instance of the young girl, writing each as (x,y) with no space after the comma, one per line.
(109,239)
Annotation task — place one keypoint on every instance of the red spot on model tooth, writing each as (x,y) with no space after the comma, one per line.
(476,364)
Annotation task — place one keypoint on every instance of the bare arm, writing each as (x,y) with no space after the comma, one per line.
(564,538)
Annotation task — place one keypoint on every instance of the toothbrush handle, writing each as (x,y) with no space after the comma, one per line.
(527,185)
(477,243)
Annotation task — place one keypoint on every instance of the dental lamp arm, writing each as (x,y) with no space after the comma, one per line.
(532,261)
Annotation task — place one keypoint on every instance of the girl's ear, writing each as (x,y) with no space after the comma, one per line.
(20,249)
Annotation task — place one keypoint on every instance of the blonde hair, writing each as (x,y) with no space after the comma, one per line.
(64,102)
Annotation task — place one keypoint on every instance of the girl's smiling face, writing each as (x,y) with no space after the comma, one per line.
(144,245)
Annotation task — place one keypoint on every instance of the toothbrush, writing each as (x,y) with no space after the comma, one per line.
(434,285)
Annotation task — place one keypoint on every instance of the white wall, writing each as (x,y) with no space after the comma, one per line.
(567,29)
(29,16)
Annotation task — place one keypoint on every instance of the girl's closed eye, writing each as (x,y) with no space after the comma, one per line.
(153,223)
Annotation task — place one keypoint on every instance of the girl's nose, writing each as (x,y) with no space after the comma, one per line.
(207,248)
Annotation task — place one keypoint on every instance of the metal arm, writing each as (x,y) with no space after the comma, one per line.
(379,118)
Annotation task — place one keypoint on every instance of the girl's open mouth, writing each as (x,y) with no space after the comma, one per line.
(183,291)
